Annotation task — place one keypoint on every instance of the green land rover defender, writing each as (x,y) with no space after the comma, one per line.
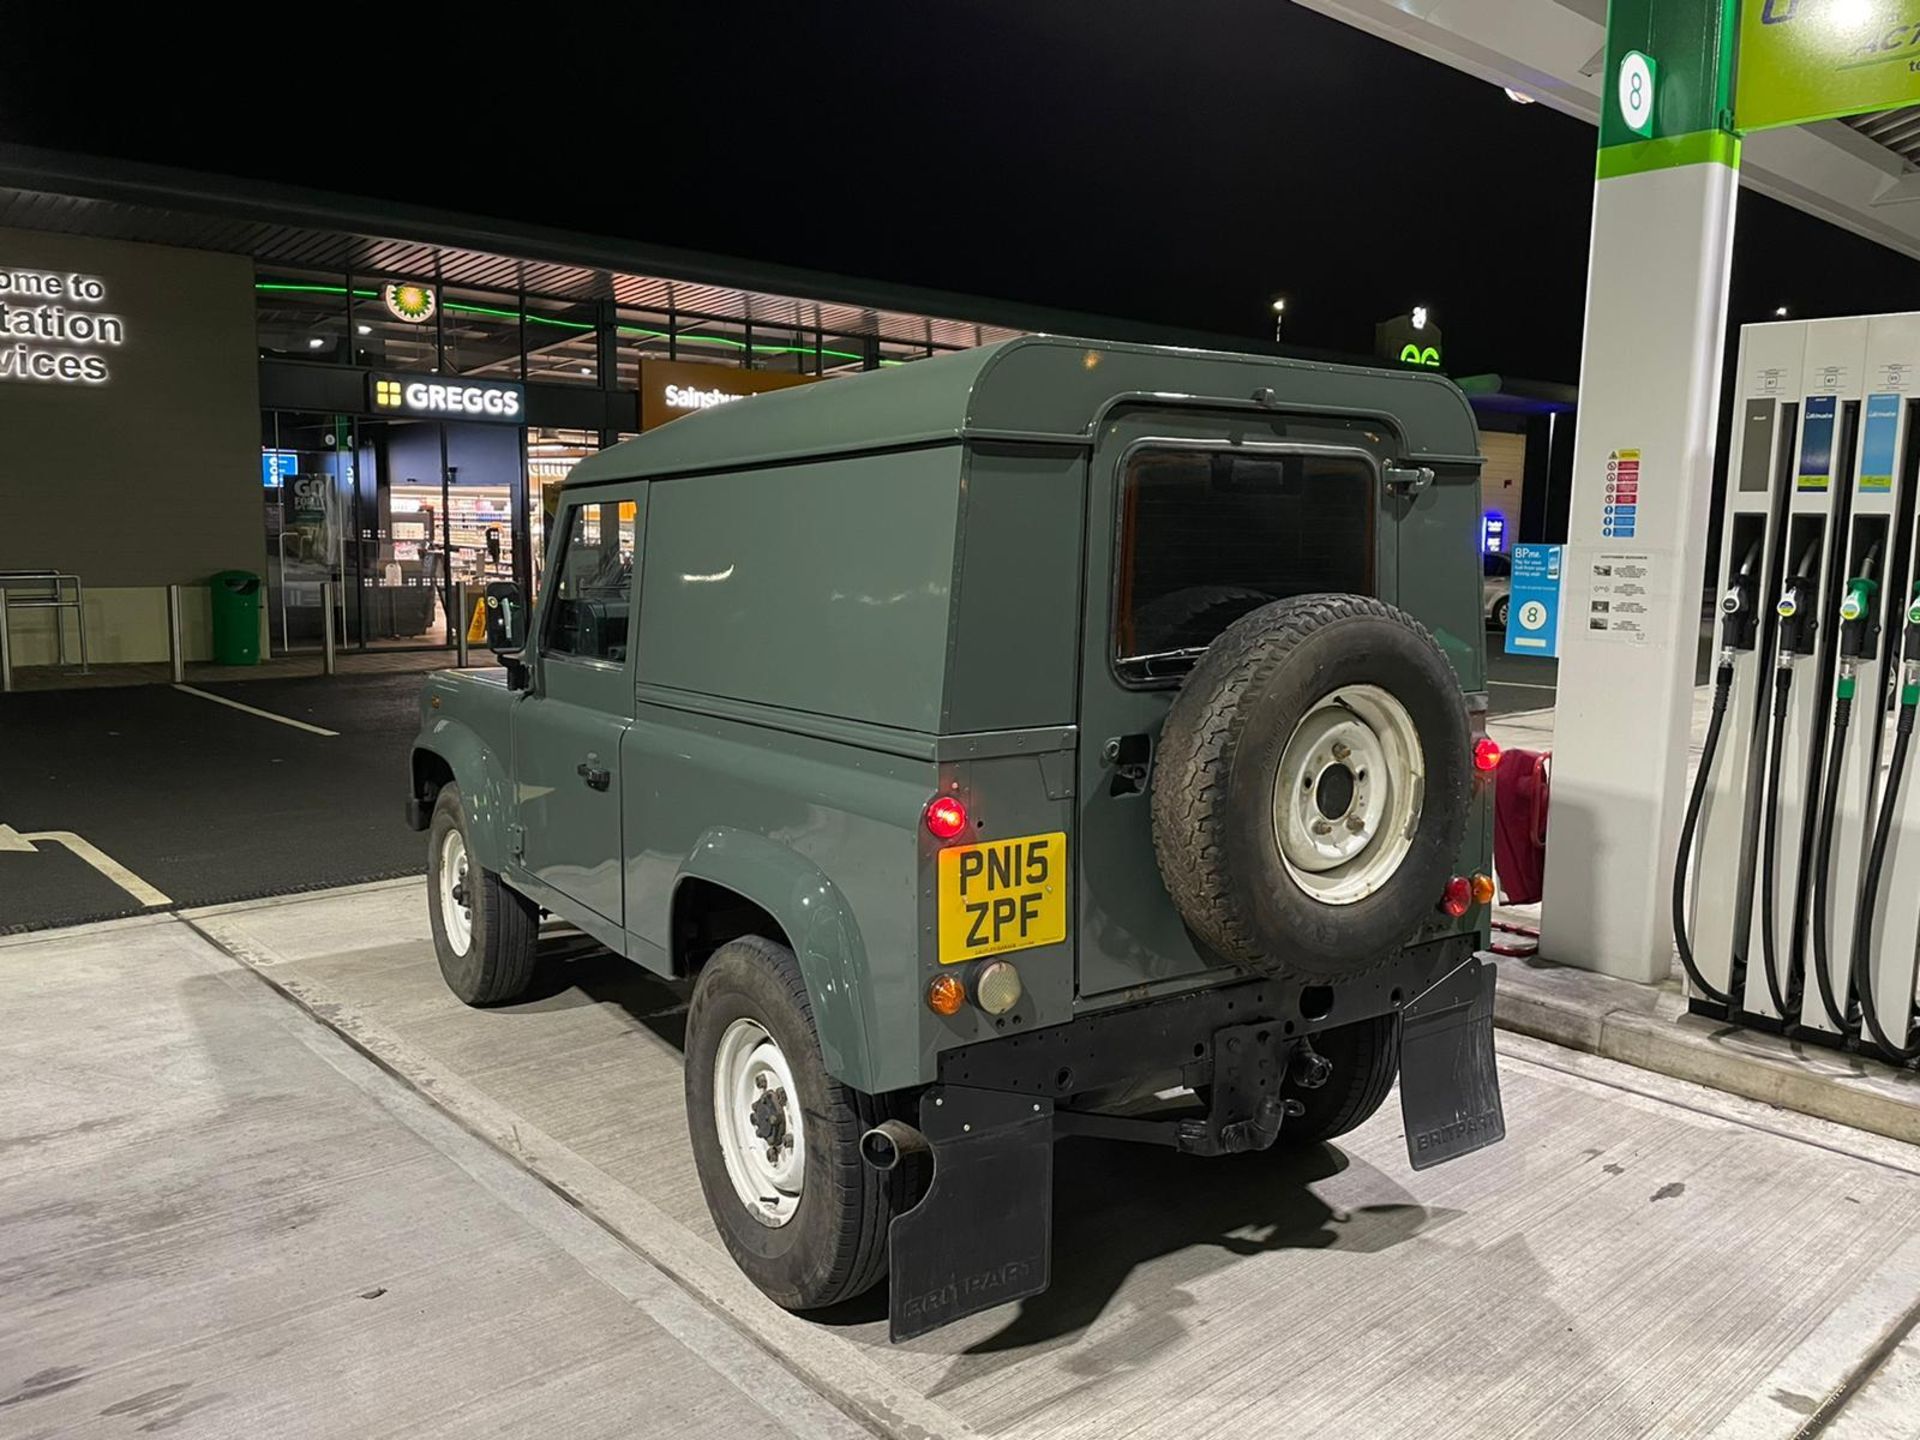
(1057,738)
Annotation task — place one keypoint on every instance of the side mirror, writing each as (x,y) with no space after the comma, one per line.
(506,617)
(507,630)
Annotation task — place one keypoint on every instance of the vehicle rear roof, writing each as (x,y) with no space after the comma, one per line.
(1037,388)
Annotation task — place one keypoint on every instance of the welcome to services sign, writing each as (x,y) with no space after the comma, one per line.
(1806,60)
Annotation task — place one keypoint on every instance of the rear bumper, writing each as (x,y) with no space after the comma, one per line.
(982,1234)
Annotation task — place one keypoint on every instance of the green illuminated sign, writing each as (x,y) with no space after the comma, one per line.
(1411,354)
(1806,60)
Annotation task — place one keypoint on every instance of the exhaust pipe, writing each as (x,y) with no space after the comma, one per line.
(888,1143)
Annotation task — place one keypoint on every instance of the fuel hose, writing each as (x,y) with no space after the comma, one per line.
(1823,853)
(1876,862)
(1689,826)
(1770,842)
(1736,630)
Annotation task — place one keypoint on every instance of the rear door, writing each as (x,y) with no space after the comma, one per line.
(568,724)
(1194,519)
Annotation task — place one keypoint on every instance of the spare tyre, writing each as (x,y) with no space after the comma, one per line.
(1311,786)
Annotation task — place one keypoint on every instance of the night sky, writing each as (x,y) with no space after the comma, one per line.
(1179,163)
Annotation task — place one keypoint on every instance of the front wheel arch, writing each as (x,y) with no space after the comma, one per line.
(459,757)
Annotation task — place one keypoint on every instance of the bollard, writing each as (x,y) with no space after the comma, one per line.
(80,621)
(176,651)
(326,627)
(462,616)
(6,648)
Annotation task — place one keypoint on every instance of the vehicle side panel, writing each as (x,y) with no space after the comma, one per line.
(723,798)
(821,587)
(1017,597)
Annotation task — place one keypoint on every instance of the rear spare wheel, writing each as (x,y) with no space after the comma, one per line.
(1311,787)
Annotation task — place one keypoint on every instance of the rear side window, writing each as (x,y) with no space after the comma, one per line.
(1207,535)
(592,583)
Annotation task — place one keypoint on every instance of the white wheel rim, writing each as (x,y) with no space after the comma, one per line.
(756,1113)
(1348,794)
(456,900)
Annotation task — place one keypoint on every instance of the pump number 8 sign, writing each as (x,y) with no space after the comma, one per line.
(1636,92)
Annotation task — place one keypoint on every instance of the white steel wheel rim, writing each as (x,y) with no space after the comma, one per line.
(756,1114)
(1348,794)
(456,896)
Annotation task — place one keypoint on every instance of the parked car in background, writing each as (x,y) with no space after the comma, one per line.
(1496,585)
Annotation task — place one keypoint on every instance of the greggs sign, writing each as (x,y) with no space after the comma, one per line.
(500,401)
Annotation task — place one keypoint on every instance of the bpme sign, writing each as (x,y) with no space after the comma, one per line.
(1806,60)
(499,401)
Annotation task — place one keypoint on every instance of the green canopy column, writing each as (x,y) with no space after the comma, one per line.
(1663,208)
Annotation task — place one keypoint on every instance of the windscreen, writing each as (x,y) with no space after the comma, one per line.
(1207,535)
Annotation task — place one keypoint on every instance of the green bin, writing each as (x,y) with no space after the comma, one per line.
(236,617)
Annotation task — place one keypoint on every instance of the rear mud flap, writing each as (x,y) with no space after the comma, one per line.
(1449,1085)
(984,1233)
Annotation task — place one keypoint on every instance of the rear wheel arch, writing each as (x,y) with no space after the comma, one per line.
(739,882)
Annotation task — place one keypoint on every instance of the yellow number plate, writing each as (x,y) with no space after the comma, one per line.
(1003,895)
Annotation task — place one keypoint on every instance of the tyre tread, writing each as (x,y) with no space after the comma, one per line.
(1198,745)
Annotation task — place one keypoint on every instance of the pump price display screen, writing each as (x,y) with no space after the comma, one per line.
(1002,895)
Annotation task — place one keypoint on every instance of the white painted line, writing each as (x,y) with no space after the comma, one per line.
(11,839)
(263,714)
(1522,684)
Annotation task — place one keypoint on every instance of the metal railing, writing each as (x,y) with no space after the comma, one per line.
(55,590)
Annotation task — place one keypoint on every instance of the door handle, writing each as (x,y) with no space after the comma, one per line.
(596,777)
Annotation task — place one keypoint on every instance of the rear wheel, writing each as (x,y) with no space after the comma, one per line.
(1500,612)
(1365,1057)
(776,1140)
(484,932)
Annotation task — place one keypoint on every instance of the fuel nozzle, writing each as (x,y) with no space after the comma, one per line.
(1739,608)
(1910,638)
(1795,609)
(1858,629)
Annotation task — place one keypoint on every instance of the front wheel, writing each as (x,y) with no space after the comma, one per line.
(1500,613)
(484,932)
(776,1140)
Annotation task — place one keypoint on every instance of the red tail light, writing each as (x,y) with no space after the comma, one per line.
(946,817)
(1486,754)
(1458,898)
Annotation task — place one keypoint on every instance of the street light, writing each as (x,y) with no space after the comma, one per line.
(1279,314)
(1780,312)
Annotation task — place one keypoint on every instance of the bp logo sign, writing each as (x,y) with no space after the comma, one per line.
(414,304)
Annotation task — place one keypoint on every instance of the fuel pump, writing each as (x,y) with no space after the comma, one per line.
(1720,829)
(1821,552)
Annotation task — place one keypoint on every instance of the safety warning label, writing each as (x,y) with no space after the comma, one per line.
(1620,512)
(1624,596)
